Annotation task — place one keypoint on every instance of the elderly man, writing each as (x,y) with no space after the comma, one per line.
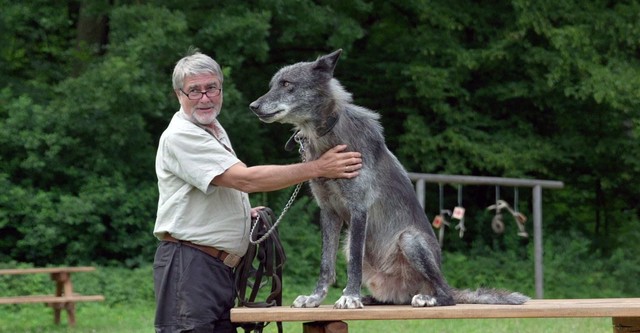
(204,214)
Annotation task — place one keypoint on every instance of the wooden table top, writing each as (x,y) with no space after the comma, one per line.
(544,308)
(16,271)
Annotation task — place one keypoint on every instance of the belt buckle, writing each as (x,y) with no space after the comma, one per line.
(232,260)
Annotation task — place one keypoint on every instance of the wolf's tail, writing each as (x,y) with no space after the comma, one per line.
(488,296)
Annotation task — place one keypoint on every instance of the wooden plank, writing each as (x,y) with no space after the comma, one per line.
(549,308)
(16,271)
(50,299)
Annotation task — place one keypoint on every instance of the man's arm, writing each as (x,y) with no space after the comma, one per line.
(262,178)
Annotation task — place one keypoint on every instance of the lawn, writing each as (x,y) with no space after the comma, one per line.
(102,318)
(129,308)
(99,318)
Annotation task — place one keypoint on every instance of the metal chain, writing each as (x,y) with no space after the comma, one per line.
(301,150)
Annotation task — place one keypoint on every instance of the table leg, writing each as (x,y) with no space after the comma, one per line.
(59,291)
(325,327)
(63,287)
(626,324)
(71,313)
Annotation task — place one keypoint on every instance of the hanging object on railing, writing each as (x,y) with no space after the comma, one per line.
(496,222)
(458,213)
(440,221)
(519,217)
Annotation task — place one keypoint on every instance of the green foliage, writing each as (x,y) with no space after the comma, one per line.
(599,277)
(571,269)
(532,89)
(503,269)
(36,44)
(30,284)
(82,168)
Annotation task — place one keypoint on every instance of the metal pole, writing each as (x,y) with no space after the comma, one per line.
(481,180)
(420,191)
(537,240)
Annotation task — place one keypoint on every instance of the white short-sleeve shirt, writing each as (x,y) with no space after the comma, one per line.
(189,207)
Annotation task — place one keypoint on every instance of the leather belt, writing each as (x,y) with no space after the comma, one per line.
(229,259)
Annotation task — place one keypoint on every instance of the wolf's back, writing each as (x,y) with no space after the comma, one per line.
(488,296)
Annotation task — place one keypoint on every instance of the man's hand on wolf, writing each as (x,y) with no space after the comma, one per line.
(336,163)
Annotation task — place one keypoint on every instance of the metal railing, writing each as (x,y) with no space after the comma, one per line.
(536,184)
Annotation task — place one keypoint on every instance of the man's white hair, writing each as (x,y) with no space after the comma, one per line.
(193,64)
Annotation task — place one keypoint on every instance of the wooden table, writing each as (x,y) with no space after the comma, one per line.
(64,297)
(625,313)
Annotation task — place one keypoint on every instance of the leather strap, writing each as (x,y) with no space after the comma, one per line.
(270,258)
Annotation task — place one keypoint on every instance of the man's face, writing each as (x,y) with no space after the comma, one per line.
(205,109)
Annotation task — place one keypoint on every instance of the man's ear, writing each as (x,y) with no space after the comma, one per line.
(327,63)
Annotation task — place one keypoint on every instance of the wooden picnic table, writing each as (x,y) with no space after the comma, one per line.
(64,297)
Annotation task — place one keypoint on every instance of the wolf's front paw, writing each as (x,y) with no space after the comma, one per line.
(348,302)
(311,301)
(423,301)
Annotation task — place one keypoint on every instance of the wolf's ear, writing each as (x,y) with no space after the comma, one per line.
(327,63)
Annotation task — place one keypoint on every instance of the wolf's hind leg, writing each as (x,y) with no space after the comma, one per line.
(426,261)
(421,300)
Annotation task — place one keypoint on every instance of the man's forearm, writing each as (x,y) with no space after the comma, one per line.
(264,178)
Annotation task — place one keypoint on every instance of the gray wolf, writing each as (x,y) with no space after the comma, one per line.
(390,245)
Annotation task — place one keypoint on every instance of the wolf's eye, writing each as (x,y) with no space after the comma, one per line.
(286,83)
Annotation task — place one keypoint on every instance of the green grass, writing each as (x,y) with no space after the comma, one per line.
(129,308)
(537,325)
(103,317)
(100,318)
(90,318)
(590,325)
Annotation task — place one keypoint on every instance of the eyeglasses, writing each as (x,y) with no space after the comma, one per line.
(196,95)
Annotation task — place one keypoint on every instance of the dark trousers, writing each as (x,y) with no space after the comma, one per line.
(194,291)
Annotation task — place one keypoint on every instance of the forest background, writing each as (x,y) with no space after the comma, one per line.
(522,89)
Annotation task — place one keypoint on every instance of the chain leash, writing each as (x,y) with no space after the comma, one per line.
(301,150)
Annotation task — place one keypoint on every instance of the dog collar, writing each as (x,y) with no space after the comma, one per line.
(331,122)
(322,131)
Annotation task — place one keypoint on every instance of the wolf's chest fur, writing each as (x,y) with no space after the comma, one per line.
(332,194)
(340,196)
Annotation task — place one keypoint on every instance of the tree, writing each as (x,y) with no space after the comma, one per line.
(545,89)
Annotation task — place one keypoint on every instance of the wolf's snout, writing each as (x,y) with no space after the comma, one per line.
(254,106)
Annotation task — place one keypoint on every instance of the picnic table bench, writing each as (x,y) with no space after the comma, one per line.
(625,313)
(64,297)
